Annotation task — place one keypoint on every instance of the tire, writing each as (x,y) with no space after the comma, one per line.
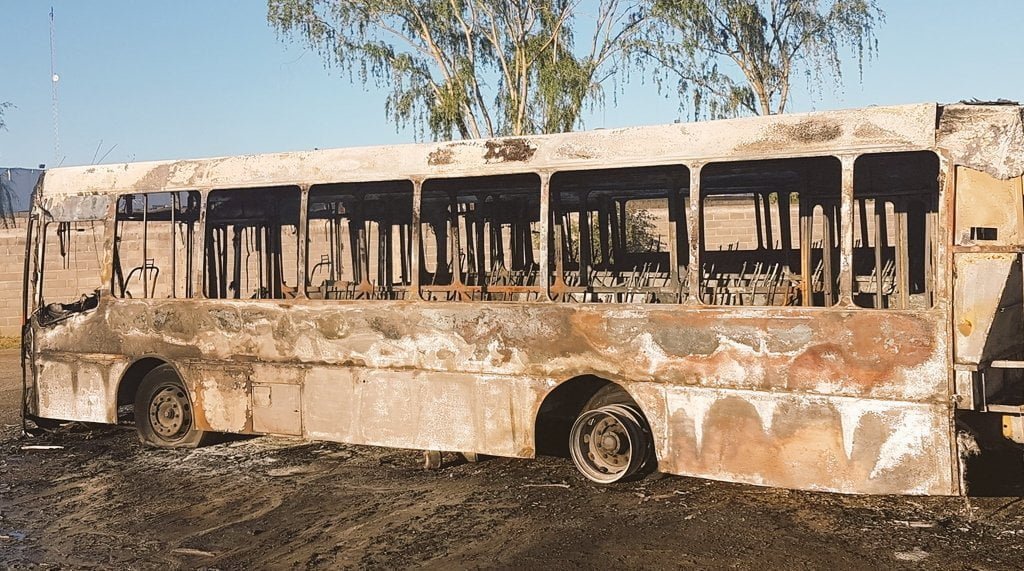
(610,440)
(163,411)
(608,394)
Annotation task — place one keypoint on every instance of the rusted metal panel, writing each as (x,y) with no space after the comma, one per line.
(454,376)
(906,127)
(428,410)
(983,201)
(220,394)
(329,409)
(77,207)
(83,387)
(276,408)
(812,442)
(987,138)
(987,297)
(829,351)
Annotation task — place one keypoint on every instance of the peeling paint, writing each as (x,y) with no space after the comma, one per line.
(508,150)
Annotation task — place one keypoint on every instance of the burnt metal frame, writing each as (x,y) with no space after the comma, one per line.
(691,212)
(545,205)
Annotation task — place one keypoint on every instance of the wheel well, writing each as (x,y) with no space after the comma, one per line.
(130,381)
(559,410)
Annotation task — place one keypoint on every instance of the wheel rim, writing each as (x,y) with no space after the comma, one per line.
(170,414)
(609,443)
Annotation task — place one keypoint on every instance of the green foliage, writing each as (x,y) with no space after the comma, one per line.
(641,235)
(475,68)
(4,106)
(641,232)
(702,44)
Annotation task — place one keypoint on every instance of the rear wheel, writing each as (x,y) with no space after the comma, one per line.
(163,411)
(610,440)
(432,459)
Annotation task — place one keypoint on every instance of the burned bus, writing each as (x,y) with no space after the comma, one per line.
(825,301)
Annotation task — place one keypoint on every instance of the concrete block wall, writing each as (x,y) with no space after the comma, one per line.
(12,250)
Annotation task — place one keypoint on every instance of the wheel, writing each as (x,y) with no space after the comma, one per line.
(471,457)
(163,411)
(431,459)
(608,394)
(610,443)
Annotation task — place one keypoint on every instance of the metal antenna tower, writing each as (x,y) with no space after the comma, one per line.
(54,78)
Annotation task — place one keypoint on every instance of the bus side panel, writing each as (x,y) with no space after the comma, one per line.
(864,392)
(853,401)
(875,354)
(988,314)
(988,240)
(420,409)
(78,387)
(220,393)
(809,442)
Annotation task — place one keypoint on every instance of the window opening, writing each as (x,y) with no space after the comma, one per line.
(359,241)
(480,238)
(252,243)
(154,244)
(619,235)
(770,232)
(895,215)
(71,261)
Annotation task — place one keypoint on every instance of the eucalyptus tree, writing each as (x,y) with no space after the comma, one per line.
(475,68)
(4,106)
(737,57)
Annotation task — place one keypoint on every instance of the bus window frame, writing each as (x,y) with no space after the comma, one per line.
(938,233)
(540,290)
(678,199)
(192,281)
(699,196)
(410,291)
(300,235)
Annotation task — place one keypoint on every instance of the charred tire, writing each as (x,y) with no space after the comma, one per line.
(163,411)
(608,394)
(610,440)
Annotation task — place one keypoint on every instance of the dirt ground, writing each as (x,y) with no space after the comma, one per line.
(101,500)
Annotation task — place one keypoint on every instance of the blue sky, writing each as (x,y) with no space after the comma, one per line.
(191,78)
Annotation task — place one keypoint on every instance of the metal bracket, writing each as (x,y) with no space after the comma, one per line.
(1013,426)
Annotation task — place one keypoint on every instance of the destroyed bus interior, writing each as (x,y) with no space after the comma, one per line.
(769,235)
(251,249)
(770,232)
(619,235)
(154,245)
(895,216)
(480,239)
(359,241)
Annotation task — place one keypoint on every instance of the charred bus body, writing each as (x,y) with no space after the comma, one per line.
(828,301)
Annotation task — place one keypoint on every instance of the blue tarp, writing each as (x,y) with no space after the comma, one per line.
(16,187)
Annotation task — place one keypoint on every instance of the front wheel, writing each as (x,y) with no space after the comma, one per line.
(610,443)
(163,412)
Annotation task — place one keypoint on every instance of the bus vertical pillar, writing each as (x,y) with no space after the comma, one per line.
(416,247)
(846,230)
(302,242)
(694,224)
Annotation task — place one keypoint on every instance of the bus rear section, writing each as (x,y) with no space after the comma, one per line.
(988,323)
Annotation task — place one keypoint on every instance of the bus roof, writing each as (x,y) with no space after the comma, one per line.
(964,130)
